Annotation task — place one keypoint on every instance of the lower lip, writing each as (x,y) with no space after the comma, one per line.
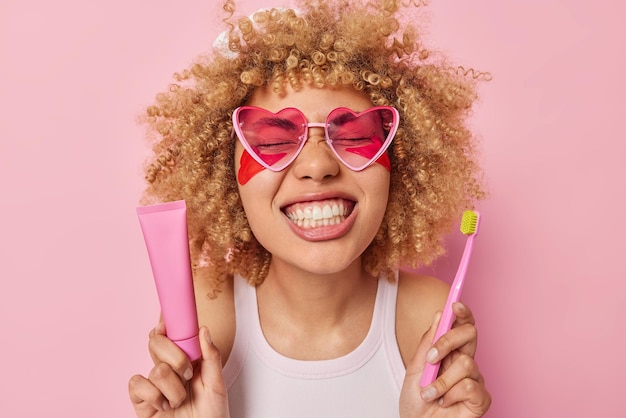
(324,233)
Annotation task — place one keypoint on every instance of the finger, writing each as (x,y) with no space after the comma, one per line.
(163,350)
(463,314)
(145,397)
(464,367)
(165,379)
(158,329)
(462,338)
(472,393)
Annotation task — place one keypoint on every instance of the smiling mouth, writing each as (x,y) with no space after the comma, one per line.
(317,214)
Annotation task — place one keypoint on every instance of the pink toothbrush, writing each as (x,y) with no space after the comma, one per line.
(469,227)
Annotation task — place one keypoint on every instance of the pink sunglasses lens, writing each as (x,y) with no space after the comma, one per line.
(273,138)
(358,139)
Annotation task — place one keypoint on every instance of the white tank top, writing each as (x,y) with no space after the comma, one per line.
(365,383)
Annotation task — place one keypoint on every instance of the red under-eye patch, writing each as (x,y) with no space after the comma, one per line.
(249,167)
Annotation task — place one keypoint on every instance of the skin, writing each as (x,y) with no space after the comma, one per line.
(317,301)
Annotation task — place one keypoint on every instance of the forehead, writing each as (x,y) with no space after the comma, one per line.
(315,103)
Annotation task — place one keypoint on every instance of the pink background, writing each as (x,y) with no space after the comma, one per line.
(547,283)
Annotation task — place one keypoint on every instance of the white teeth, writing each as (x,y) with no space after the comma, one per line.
(316,215)
(312,223)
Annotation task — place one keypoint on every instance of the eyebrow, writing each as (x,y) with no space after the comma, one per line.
(342,119)
(275,122)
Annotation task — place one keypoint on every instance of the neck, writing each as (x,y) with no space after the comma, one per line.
(329,314)
(310,297)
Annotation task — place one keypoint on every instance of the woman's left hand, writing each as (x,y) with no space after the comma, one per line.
(460,390)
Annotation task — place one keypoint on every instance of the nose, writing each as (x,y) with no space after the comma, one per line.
(316,160)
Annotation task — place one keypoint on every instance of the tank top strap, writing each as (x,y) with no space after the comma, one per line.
(241,344)
(390,341)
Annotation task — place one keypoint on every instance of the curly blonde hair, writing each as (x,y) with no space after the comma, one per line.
(434,174)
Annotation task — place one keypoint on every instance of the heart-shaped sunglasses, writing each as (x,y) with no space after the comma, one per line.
(274,140)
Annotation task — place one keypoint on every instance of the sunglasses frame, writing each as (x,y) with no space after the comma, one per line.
(388,139)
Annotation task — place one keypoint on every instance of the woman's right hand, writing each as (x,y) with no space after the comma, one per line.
(176,388)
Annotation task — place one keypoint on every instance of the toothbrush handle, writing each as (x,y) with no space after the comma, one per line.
(447,319)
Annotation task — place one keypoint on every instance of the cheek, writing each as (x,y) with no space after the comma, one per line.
(380,185)
(384,161)
(248,168)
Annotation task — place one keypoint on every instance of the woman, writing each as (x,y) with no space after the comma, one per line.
(318,150)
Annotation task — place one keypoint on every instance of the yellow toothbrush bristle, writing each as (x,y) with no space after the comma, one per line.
(469,222)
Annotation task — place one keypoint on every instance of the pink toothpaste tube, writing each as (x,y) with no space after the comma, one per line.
(164,228)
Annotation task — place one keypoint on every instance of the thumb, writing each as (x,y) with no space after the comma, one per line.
(209,391)
(416,365)
(412,404)
(211,360)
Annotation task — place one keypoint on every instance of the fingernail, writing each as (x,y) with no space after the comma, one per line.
(188,374)
(432,354)
(440,401)
(429,393)
(461,307)
(166,405)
